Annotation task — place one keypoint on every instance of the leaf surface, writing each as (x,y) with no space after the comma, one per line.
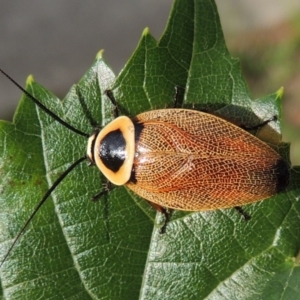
(77,249)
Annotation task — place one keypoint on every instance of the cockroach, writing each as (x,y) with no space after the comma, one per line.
(180,159)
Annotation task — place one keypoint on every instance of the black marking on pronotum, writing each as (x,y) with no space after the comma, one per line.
(112,150)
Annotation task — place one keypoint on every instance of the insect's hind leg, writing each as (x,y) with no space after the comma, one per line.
(274,118)
(178,96)
(167,213)
(243,213)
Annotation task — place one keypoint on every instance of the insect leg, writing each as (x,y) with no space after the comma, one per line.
(243,213)
(107,187)
(274,118)
(178,96)
(165,212)
(111,97)
(167,215)
(85,109)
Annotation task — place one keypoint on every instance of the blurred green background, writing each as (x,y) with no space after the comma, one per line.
(56,41)
(269,51)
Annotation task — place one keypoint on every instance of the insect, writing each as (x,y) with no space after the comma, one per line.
(180,159)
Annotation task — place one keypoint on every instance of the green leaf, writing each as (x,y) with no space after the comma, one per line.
(77,249)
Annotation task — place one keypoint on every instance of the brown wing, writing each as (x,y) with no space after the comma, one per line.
(194,161)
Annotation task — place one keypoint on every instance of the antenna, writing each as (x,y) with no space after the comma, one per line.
(58,181)
(45,109)
(52,188)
